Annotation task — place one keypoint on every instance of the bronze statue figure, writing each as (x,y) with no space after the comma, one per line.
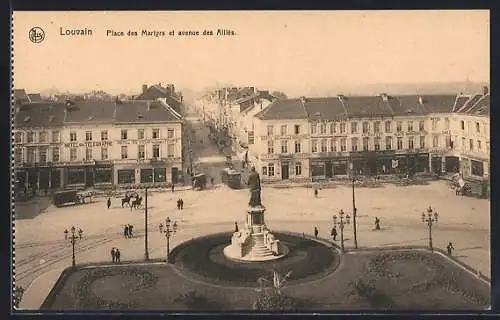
(254,186)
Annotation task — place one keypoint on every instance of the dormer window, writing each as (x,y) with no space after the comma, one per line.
(27,119)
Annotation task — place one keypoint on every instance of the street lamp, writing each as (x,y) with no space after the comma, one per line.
(354,209)
(341,223)
(72,239)
(169,229)
(430,218)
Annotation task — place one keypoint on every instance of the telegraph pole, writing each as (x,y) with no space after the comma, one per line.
(146,251)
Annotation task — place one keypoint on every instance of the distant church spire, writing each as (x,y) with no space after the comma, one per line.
(467,84)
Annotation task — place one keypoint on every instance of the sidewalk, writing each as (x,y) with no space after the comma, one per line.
(38,290)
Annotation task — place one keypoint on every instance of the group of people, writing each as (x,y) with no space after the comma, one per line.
(180,204)
(127,231)
(115,255)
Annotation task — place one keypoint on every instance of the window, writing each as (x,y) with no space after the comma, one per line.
(323,128)
(376,143)
(88,154)
(124,152)
(448,142)
(170,150)
(410,126)
(55,136)
(343,144)
(354,127)
(313,128)
(156,134)
(124,135)
(366,127)
(270,146)
(478,128)
(471,145)
(399,126)
(297,146)
(283,130)
(462,125)
(104,153)
(463,143)
(88,136)
(388,143)
(18,137)
(72,136)
(72,154)
(333,145)
(30,155)
(18,155)
(422,142)
(298,168)
(399,143)
(314,145)
(333,127)
(366,141)
(410,143)
(446,124)
(342,127)
(387,126)
(140,152)
(104,135)
(354,144)
(421,126)
(170,133)
(43,155)
(270,130)
(284,146)
(140,135)
(297,129)
(435,141)
(31,137)
(323,145)
(376,127)
(270,169)
(434,124)
(55,154)
(479,146)
(156,151)
(42,137)
(264,171)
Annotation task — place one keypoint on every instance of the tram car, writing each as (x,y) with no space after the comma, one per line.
(199,181)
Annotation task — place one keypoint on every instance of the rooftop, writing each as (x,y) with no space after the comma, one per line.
(145,112)
(39,115)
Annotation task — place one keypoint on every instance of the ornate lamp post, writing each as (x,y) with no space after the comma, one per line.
(354,209)
(341,222)
(72,239)
(430,218)
(169,229)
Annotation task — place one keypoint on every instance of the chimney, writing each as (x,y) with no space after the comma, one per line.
(384,96)
(303,100)
(485,90)
(148,104)
(420,100)
(170,90)
(144,88)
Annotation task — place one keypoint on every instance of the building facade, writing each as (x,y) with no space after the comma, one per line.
(328,138)
(96,144)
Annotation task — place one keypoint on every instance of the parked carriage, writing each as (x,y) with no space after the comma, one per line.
(199,181)
(231,177)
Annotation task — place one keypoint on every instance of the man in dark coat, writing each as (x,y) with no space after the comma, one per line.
(254,186)
(334,233)
(113,255)
(316,232)
(108,203)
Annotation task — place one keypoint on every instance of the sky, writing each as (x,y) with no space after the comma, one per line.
(289,51)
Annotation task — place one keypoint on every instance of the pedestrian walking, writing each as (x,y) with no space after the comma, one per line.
(173,187)
(316,232)
(316,192)
(449,248)
(178,204)
(65,234)
(80,233)
(181,203)
(108,203)
(125,231)
(113,255)
(334,233)
(236,229)
(130,234)
(212,180)
(117,255)
(377,223)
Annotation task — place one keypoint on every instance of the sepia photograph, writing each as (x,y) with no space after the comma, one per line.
(254,161)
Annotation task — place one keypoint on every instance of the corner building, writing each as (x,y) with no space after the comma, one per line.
(335,137)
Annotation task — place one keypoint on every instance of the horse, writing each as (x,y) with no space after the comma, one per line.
(136,203)
(126,200)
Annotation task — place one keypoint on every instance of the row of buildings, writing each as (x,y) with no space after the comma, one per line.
(89,143)
(325,138)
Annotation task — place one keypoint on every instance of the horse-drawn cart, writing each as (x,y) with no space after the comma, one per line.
(65,197)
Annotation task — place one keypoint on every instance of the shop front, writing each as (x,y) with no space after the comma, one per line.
(453,164)
(75,176)
(477,168)
(103,173)
(126,176)
(436,164)
(153,175)
(372,162)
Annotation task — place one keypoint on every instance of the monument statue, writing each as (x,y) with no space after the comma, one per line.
(254,186)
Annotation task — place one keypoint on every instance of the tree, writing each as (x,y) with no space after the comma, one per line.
(18,293)
(279,95)
(269,296)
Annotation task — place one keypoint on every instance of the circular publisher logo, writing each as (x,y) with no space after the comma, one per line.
(36,34)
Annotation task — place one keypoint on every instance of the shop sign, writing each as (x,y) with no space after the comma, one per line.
(88,144)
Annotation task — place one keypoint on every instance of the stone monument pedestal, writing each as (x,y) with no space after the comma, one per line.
(255,242)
